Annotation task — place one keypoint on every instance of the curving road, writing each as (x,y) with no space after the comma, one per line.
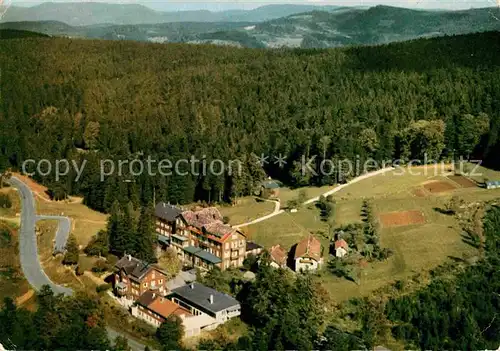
(62,233)
(30,263)
(28,251)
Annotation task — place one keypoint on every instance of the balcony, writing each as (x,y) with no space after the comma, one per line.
(121,289)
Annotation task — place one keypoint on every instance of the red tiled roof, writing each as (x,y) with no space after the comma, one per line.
(341,243)
(309,247)
(164,307)
(202,217)
(209,219)
(278,254)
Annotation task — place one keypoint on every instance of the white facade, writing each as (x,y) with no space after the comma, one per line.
(306,264)
(340,252)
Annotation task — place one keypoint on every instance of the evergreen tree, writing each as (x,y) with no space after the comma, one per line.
(72,253)
(170,333)
(145,248)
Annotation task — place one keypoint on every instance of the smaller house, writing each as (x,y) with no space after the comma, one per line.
(493,184)
(253,249)
(201,300)
(278,256)
(155,309)
(308,254)
(341,248)
(134,277)
(270,189)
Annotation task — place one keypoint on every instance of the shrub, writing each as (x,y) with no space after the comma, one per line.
(79,270)
(5,201)
(103,287)
(101,266)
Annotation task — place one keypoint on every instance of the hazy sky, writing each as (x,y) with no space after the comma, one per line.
(174,5)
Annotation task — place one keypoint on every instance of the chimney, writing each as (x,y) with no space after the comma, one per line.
(211,299)
(129,257)
(154,295)
(192,285)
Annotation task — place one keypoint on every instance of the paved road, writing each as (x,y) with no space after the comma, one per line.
(62,233)
(30,263)
(277,211)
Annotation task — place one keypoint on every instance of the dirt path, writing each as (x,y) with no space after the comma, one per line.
(277,210)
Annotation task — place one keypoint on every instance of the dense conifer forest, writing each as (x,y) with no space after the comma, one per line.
(94,100)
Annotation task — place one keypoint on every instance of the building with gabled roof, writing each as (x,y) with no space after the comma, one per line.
(341,248)
(200,237)
(133,277)
(279,256)
(155,309)
(308,254)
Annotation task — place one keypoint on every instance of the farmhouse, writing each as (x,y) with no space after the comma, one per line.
(308,254)
(213,307)
(134,277)
(270,189)
(341,248)
(200,237)
(278,256)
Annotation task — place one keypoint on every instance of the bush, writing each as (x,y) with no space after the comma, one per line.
(103,287)
(79,271)
(5,201)
(101,266)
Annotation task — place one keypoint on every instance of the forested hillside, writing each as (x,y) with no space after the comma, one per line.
(297,26)
(83,99)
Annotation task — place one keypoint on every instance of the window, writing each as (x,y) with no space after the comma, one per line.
(160,281)
(145,285)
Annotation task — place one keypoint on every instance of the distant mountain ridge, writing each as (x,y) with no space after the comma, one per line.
(91,13)
(340,26)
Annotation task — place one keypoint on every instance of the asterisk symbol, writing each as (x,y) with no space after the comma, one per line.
(280,160)
(262,159)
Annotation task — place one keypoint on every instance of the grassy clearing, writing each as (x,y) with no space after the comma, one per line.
(85,222)
(52,265)
(417,248)
(12,282)
(246,209)
(287,194)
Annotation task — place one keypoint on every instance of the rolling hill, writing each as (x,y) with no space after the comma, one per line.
(92,13)
(336,27)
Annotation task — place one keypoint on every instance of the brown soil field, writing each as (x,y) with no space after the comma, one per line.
(464,182)
(419,192)
(437,186)
(403,218)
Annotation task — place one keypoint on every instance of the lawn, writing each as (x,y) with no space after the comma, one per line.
(85,222)
(417,248)
(287,194)
(246,209)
